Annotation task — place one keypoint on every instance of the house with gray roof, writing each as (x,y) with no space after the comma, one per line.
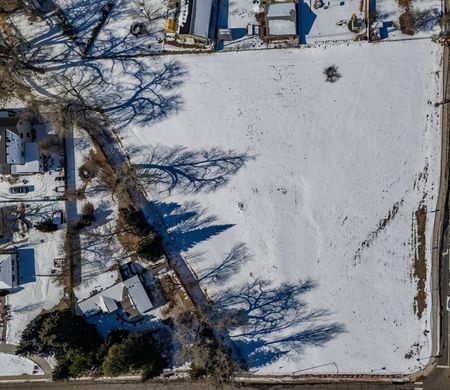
(195,19)
(19,155)
(9,277)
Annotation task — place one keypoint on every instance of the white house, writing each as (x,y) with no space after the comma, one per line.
(129,294)
(8,271)
(19,155)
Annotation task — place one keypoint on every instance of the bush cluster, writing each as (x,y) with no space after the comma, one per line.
(80,350)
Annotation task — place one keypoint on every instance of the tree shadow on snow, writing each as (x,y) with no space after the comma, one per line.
(270,321)
(112,42)
(189,224)
(83,15)
(142,94)
(227,268)
(188,171)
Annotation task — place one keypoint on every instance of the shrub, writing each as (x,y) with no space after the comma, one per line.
(87,217)
(136,220)
(136,352)
(88,171)
(59,333)
(151,248)
(46,226)
(408,22)
(332,74)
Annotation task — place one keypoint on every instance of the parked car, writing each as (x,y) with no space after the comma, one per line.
(448,303)
(21,189)
(59,178)
(60,189)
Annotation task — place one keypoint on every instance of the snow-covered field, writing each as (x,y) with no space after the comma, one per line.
(295,199)
(16,365)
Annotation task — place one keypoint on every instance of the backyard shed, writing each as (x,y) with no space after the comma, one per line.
(194,19)
(281,19)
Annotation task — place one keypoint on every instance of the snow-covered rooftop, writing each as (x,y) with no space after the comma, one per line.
(277,10)
(106,300)
(31,163)
(8,270)
(195,17)
(281,19)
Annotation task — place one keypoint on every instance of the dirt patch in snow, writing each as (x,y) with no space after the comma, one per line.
(420,266)
(373,235)
(4,317)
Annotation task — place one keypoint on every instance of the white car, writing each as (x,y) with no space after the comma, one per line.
(448,303)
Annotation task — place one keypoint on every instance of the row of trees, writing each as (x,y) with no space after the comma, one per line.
(80,350)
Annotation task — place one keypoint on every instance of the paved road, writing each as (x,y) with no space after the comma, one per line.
(439,379)
(195,386)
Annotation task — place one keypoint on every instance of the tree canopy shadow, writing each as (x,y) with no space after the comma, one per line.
(427,19)
(270,321)
(229,266)
(141,95)
(83,14)
(121,42)
(147,97)
(189,171)
(189,223)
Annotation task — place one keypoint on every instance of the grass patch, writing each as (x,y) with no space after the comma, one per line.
(420,266)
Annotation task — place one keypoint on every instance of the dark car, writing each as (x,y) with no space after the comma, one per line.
(21,189)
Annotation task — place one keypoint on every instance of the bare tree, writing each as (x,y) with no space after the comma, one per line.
(149,9)
(10,6)
(52,143)
(15,53)
(195,342)
(11,86)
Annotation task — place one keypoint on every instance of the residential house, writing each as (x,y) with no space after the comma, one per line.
(19,155)
(130,295)
(9,277)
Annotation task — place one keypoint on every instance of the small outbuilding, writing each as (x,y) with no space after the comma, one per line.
(281,19)
(194,19)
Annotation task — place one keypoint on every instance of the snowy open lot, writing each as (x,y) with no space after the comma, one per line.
(298,200)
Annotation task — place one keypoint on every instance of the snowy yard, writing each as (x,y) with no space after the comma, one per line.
(15,365)
(38,288)
(304,202)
